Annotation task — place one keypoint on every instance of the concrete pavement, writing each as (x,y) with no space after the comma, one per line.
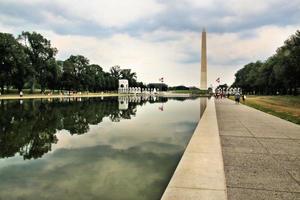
(261,153)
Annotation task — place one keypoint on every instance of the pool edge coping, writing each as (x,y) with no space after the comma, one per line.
(200,172)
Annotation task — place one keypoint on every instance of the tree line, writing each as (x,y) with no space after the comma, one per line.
(28,61)
(279,74)
(40,121)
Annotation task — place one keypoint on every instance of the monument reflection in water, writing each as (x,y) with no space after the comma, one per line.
(74,149)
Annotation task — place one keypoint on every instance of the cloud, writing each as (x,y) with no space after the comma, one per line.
(135,16)
(150,60)
(225,16)
(228,52)
(159,37)
(59,14)
(113,13)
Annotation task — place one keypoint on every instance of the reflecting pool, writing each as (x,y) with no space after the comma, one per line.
(93,148)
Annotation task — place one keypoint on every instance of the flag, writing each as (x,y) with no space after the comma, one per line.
(218,80)
(161,79)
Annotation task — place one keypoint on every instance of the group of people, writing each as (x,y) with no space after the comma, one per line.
(237,96)
(220,95)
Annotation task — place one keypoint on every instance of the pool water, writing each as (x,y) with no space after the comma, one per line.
(93,148)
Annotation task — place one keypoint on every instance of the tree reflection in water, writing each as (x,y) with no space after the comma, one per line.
(29,127)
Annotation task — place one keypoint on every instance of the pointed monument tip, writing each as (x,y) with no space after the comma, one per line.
(203,30)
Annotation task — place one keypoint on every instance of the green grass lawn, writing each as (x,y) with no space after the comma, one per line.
(285,107)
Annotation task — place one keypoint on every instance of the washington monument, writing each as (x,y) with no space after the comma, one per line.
(203,84)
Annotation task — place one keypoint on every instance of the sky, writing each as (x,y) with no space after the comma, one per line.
(159,38)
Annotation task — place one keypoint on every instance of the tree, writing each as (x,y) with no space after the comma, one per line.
(14,63)
(73,69)
(130,76)
(7,49)
(289,55)
(90,75)
(115,71)
(30,61)
(99,76)
(21,68)
(54,74)
(279,73)
(40,52)
(265,79)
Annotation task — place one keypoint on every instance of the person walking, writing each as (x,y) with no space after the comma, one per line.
(244,98)
(237,97)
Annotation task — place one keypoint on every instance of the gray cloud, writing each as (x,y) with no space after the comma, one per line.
(177,16)
(160,36)
(183,17)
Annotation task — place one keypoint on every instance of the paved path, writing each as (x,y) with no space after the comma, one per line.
(261,153)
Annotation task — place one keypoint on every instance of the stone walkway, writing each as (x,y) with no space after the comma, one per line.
(261,153)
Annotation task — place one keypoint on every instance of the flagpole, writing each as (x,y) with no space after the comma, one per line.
(161,80)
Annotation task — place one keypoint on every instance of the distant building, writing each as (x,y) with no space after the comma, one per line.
(123,84)
(124,87)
